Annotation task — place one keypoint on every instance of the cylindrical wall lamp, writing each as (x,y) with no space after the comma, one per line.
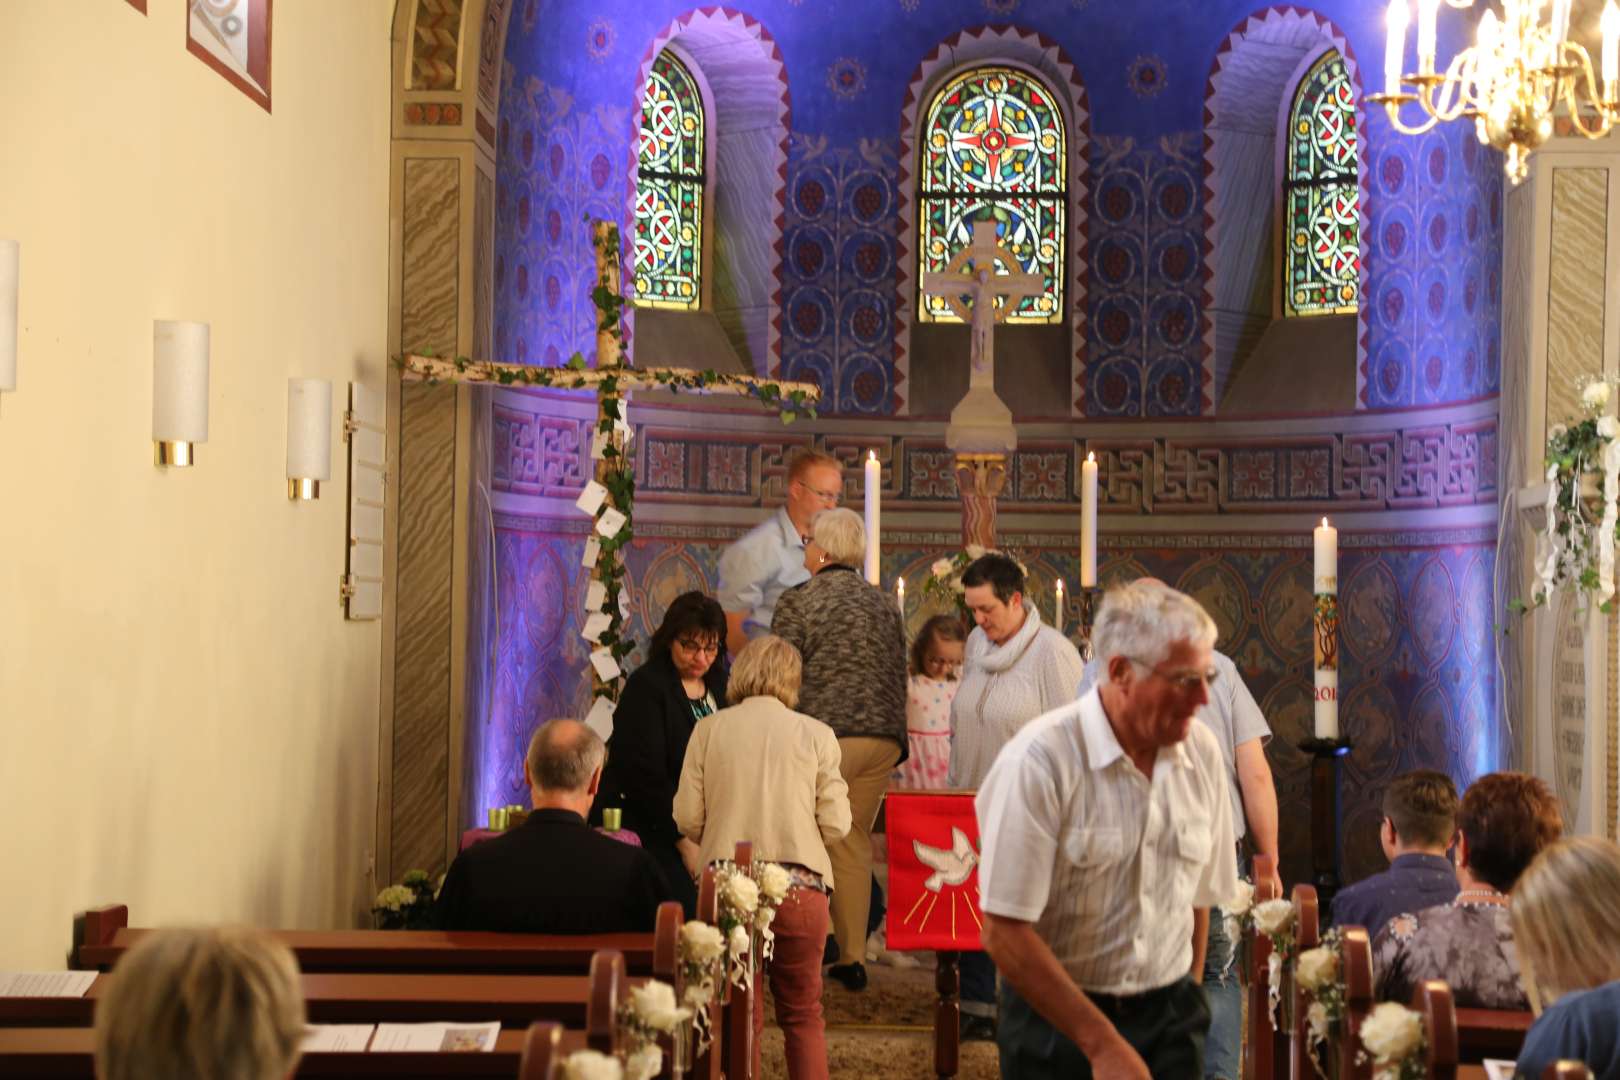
(309,436)
(9,270)
(179,390)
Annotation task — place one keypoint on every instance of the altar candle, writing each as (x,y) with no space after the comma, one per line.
(1088,522)
(1394,45)
(900,594)
(1057,608)
(874,480)
(1326,626)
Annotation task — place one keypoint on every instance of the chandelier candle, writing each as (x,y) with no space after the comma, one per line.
(1088,522)
(1394,46)
(1326,540)
(1057,607)
(874,480)
(900,595)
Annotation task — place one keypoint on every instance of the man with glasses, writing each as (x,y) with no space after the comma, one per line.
(1242,732)
(1107,834)
(769,559)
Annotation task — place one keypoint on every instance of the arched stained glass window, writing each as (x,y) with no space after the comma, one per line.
(993,146)
(1322,237)
(668,257)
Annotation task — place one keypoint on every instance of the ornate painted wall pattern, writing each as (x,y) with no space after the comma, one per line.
(556,164)
(1417,677)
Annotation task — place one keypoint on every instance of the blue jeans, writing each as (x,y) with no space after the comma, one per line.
(978,984)
(1223,991)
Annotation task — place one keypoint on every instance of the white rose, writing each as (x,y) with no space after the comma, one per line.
(957,586)
(774,882)
(654,1002)
(395,897)
(764,917)
(644,1063)
(1391,1032)
(1274,916)
(975,551)
(1556,432)
(740,941)
(590,1065)
(1596,395)
(740,893)
(1317,1017)
(1317,968)
(697,996)
(1608,426)
(701,943)
(941,568)
(1241,900)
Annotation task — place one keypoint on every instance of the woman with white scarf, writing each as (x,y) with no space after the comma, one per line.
(1015,670)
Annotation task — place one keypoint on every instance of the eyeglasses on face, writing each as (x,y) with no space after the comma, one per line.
(693,645)
(831,498)
(1184,682)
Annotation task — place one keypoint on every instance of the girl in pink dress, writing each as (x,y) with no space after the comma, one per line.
(936,664)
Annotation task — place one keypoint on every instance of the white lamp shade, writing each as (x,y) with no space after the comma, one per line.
(179,381)
(9,270)
(309,429)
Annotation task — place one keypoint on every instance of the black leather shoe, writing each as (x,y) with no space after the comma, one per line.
(852,976)
(977,1029)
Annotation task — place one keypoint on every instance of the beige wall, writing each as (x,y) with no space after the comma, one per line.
(187,724)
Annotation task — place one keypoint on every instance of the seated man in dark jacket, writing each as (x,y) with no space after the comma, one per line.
(554,874)
(1420,823)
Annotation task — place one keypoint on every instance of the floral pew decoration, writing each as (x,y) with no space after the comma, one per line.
(1394,1041)
(408,905)
(1275,919)
(1319,975)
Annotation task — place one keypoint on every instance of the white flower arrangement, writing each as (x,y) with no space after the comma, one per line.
(740,893)
(1241,900)
(1577,550)
(650,1011)
(699,948)
(1320,972)
(1394,1038)
(1275,919)
(395,898)
(654,1005)
(774,883)
(592,1065)
(944,580)
(644,1063)
(1317,968)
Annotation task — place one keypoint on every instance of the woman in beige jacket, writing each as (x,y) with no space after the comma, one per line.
(761,772)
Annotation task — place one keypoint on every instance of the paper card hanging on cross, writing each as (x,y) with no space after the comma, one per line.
(970,285)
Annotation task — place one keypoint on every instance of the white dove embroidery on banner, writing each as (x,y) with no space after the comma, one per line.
(951,866)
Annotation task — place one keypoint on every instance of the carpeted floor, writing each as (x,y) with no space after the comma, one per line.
(884,1031)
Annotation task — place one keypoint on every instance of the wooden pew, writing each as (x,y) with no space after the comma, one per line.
(1266,1046)
(1432,1000)
(1307,935)
(1491,1033)
(543,1054)
(104,935)
(1355,951)
(739,1018)
(706,1066)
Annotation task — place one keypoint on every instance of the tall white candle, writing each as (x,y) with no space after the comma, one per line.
(1088,522)
(1394,45)
(1057,607)
(1560,25)
(874,480)
(1428,12)
(900,594)
(1326,626)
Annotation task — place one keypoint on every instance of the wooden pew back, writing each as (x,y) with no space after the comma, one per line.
(1432,1000)
(1355,950)
(1266,1046)
(1307,935)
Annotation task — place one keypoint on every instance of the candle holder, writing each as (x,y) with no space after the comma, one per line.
(1326,754)
(1087,599)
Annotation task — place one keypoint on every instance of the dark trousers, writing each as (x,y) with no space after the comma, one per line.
(1166,1027)
(978,984)
(681,885)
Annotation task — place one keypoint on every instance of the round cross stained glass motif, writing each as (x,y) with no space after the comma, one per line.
(669,188)
(1322,274)
(994,148)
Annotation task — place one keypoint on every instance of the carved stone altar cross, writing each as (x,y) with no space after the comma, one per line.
(981,429)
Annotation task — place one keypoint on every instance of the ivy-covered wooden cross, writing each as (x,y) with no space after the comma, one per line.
(611,379)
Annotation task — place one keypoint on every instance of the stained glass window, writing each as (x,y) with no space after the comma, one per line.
(1322,241)
(993,147)
(668,257)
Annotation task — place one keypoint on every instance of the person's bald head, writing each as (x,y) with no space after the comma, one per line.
(564,756)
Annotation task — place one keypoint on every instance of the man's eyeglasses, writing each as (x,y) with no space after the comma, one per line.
(692,645)
(1182,681)
(831,498)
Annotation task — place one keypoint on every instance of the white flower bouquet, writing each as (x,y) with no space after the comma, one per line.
(1320,972)
(408,905)
(1394,1038)
(1275,919)
(944,580)
(1577,550)
(591,1065)
(699,949)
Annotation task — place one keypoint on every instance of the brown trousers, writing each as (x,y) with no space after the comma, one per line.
(866,765)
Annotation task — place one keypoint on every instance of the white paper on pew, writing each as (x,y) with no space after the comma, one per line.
(600,719)
(1497,1069)
(436,1038)
(595,623)
(337,1038)
(611,521)
(593,551)
(590,500)
(595,596)
(53,984)
(607,668)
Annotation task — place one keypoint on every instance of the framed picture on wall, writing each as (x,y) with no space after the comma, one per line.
(233,38)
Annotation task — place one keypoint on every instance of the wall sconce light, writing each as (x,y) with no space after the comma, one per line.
(9,270)
(309,437)
(179,390)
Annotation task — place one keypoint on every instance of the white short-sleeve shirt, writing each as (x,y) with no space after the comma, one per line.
(758,568)
(1107,863)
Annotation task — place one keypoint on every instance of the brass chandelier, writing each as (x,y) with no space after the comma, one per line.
(1518,72)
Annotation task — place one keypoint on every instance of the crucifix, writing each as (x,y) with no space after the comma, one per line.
(981,428)
(611,491)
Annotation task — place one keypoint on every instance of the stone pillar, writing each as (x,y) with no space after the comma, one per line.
(980,479)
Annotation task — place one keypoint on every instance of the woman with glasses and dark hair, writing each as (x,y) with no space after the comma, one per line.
(680,683)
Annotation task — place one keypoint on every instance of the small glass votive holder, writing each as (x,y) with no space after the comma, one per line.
(497,818)
(612,818)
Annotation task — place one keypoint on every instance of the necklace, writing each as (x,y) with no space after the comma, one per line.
(1480,896)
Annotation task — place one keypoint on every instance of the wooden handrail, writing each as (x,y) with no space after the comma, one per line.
(1355,950)
(1307,935)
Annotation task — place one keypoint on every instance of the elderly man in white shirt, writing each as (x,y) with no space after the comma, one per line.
(1107,835)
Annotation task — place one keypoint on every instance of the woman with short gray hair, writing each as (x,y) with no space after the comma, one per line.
(854,646)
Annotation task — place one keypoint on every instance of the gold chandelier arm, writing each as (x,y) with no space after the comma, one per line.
(1392,110)
(1454,83)
(1578,72)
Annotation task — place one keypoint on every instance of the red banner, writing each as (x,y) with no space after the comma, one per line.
(933,870)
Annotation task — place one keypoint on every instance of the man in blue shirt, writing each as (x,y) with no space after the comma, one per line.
(1420,823)
(769,559)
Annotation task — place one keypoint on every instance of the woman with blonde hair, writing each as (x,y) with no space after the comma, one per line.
(1566,920)
(760,771)
(210,1004)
